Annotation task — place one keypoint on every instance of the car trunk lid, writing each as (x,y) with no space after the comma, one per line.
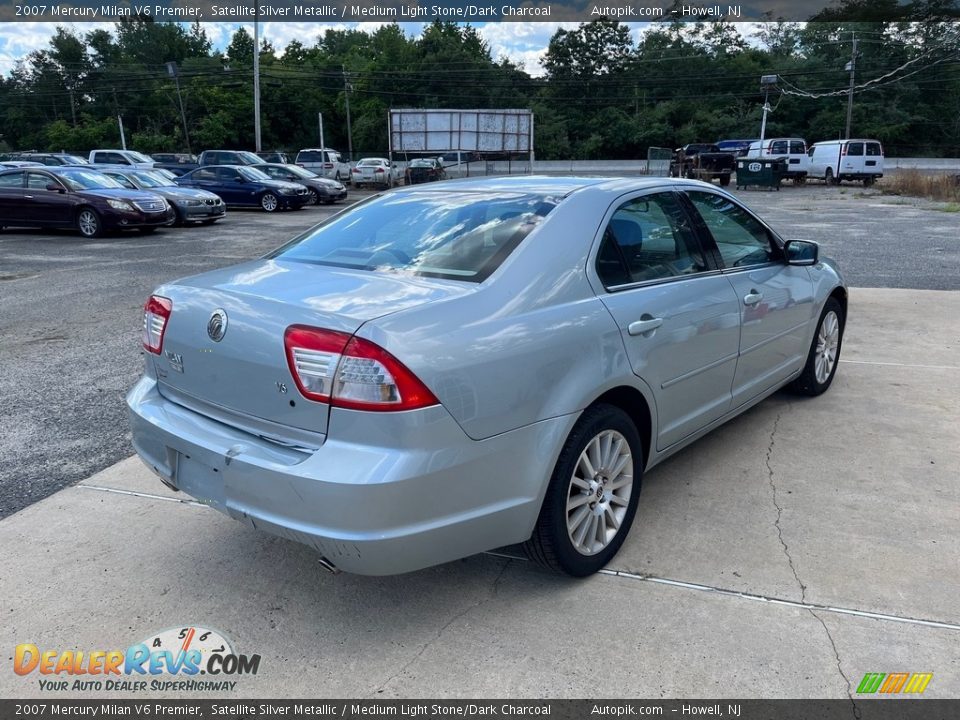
(243,377)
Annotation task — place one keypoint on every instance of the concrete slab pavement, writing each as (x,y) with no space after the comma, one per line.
(848,500)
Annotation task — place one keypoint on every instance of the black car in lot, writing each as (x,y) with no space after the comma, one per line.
(51,159)
(245,186)
(424,170)
(189,204)
(79,197)
(322,190)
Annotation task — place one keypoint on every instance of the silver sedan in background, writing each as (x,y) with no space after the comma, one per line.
(435,373)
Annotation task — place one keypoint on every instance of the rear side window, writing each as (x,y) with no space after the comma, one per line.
(779,147)
(648,238)
(456,235)
(874,149)
(855,149)
(11,180)
(204,174)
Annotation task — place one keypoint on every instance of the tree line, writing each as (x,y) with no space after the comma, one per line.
(602,95)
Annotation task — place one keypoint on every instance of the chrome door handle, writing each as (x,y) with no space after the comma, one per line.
(752,297)
(648,324)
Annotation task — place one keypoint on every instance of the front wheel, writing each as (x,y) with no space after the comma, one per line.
(829,179)
(89,223)
(593,494)
(314,197)
(269,202)
(824,352)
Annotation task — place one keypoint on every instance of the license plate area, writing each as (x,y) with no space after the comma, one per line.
(199,480)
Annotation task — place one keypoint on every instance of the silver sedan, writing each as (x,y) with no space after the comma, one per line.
(438,372)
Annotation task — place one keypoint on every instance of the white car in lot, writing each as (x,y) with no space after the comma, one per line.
(375,171)
(792,150)
(324,162)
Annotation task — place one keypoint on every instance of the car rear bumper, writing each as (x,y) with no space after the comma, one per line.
(388,495)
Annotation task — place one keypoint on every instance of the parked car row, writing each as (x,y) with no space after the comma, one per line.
(95,198)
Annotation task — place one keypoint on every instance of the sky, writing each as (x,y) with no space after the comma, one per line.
(520,42)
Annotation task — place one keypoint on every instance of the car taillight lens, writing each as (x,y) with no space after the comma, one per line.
(350,372)
(356,170)
(379,170)
(156,313)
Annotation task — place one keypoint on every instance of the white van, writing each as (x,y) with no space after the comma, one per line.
(130,158)
(836,160)
(325,163)
(793,150)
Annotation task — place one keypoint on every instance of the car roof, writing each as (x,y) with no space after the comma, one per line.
(552,184)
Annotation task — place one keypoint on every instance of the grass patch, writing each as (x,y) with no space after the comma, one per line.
(949,207)
(915,184)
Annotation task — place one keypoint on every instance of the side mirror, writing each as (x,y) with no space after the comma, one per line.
(801,252)
(53,187)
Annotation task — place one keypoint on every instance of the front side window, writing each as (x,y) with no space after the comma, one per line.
(39,181)
(648,238)
(204,174)
(455,235)
(741,239)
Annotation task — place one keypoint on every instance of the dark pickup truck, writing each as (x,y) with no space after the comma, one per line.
(207,157)
(703,161)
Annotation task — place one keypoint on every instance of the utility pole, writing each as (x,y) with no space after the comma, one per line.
(347,89)
(852,67)
(175,73)
(767,83)
(256,76)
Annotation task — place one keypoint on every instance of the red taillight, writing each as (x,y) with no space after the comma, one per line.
(378,170)
(356,170)
(843,149)
(328,165)
(332,367)
(156,313)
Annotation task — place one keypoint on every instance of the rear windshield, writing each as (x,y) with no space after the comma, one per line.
(310,156)
(456,235)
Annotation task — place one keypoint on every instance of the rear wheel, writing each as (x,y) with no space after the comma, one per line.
(824,352)
(593,494)
(89,223)
(829,179)
(724,180)
(269,202)
(314,197)
(868,181)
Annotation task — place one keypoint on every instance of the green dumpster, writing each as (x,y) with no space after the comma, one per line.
(761,172)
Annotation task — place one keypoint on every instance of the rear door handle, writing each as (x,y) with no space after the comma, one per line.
(648,324)
(752,297)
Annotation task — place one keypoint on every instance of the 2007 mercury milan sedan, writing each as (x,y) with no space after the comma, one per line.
(435,372)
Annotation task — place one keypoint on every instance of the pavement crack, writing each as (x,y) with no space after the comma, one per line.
(494,590)
(779,508)
(836,654)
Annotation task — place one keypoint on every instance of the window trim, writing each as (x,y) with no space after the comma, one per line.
(593,275)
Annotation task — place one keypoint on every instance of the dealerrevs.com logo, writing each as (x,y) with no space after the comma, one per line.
(171,660)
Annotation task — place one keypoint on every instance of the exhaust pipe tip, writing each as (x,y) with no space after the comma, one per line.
(328,566)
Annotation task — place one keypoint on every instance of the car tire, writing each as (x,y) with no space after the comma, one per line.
(724,180)
(314,197)
(269,202)
(829,179)
(868,181)
(178,218)
(89,223)
(824,355)
(586,513)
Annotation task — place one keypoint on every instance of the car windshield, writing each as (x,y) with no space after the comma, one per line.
(252,173)
(151,180)
(299,171)
(421,163)
(249,158)
(138,157)
(461,236)
(73,160)
(87,180)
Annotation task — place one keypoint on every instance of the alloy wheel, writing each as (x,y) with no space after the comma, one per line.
(269,202)
(828,339)
(89,223)
(599,492)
